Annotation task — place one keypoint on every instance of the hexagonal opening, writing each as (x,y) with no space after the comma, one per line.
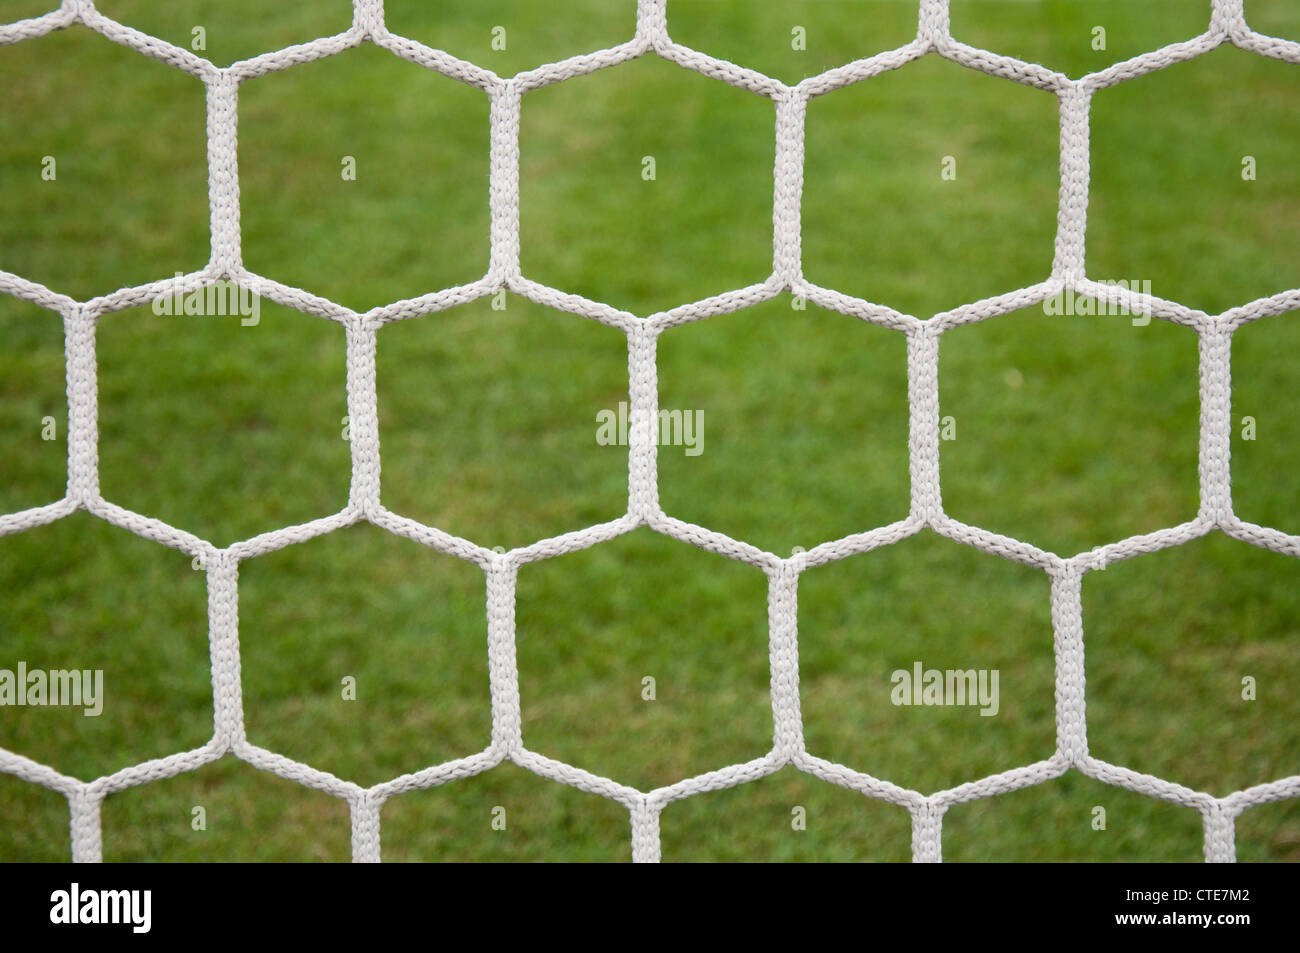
(799,425)
(15,10)
(1266,422)
(364,654)
(489,421)
(83,596)
(1273,18)
(33,823)
(1069,430)
(930,186)
(382,195)
(102,165)
(507,814)
(1269,833)
(249,437)
(224,33)
(33,406)
(791,39)
(1194,184)
(644,660)
(1172,638)
(782,818)
(646,186)
(1077,37)
(246,815)
(1072,818)
(869,622)
(509,36)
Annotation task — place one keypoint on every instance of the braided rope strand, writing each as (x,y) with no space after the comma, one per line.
(1227,24)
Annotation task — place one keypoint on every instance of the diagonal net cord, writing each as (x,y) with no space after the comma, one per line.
(1227,25)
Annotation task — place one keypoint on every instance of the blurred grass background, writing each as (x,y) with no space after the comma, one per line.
(1070,431)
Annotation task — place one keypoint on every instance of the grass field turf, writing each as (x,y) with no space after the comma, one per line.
(1071,431)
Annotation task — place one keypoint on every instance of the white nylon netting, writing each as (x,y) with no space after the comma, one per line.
(1227,25)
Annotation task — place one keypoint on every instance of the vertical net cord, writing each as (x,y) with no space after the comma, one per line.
(1227,24)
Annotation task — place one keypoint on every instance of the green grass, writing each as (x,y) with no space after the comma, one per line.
(1070,431)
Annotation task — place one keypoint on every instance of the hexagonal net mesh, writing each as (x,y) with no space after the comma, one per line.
(1227,24)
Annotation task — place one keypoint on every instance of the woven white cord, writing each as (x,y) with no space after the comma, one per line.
(651,37)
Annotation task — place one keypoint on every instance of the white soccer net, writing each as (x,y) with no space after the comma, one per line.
(1227,24)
